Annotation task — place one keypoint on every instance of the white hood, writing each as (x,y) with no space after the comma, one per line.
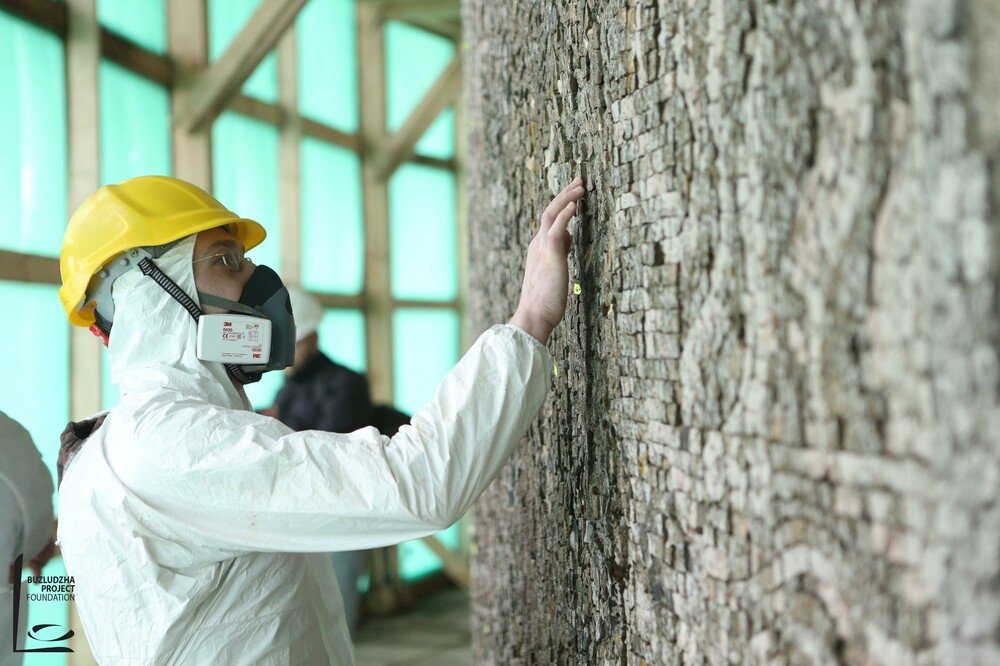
(154,339)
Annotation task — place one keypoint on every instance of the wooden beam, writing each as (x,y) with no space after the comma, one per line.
(426,305)
(28,268)
(453,564)
(187,31)
(355,302)
(375,202)
(329,134)
(461,222)
(289,141)
(135,58)
(83,56)
(252,107)
(447,28)
(435,162)
(51,16)
(213,88)
(441,94)
(462,243)
(384,594)
(406,9)
(45,14)
(277,114)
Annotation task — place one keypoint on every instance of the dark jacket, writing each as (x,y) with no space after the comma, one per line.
(324,395)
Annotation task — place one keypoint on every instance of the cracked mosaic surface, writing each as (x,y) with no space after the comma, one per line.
(772,430)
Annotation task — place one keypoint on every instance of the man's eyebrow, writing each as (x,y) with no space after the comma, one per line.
(222,245)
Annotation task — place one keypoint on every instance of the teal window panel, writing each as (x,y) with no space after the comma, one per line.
(326,41)
(110,395)
(35,392)
(422,233)
(261,394)
(245,176)
(332,232)
(342,338)
(225,20)
(135,125)
(416,560)
(414,59)
(142,21)
(33,159)
(424,349)
(439,139)
(35,381)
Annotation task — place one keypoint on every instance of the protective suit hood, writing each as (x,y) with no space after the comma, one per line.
(153,344)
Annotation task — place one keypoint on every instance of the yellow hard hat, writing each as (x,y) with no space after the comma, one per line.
(138,212)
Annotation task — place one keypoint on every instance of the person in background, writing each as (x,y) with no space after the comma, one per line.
(321,394)
(25,525)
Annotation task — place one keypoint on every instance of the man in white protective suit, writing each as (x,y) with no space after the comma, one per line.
(25,527)
(197,530)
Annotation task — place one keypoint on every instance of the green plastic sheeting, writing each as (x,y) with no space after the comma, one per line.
(142,21)
(325,35)
(423,245)
(416,560)
(33,158)
(135,125)
(425,348)
(342,338)
(422,235)
(245,176)
(225,20)
(414,59)
(332,223)
(30,395)
(439,139)
(135,141)
(261,394)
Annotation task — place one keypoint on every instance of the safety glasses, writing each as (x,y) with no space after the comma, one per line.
(229,259)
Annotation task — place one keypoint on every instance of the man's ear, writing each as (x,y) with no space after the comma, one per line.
(101,333)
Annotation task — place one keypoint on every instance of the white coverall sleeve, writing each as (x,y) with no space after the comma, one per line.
(244,482)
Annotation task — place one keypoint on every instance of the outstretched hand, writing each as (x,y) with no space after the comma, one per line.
(546,272)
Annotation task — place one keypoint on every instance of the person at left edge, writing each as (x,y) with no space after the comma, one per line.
(25,526)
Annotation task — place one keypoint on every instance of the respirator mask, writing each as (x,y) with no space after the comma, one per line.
(256,335)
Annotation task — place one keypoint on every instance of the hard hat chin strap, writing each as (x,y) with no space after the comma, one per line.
(153,271)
